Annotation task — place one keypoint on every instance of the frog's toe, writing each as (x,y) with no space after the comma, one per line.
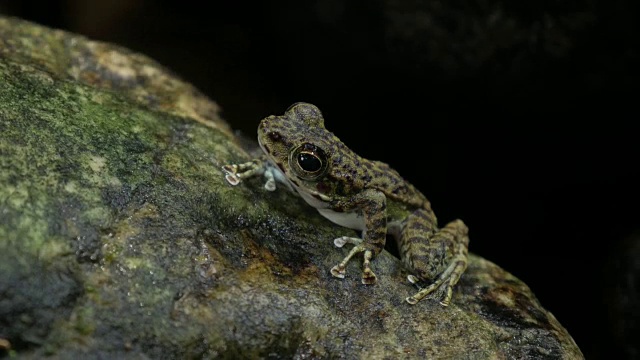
(343,240)
(340,242)
(338,271)
(412,300)
(419,296)
(230,168)
(368,277)
(270,185)
(232,179)
(436,290)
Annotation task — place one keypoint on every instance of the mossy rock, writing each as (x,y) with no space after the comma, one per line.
(119,237)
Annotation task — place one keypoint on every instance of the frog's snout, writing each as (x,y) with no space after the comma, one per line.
(266,126)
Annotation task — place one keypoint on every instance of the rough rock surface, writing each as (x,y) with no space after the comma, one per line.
(120,238)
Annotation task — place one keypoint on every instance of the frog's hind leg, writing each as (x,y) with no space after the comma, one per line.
(448,279)
(436,256)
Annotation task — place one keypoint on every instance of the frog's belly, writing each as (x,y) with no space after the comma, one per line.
(350,220)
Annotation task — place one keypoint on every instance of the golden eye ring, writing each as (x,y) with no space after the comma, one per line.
(308,161)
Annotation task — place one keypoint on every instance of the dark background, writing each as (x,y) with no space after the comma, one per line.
(517,118)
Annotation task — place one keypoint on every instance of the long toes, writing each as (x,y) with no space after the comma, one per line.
(368,277)
(338,271)
(412,279)
(340,242)
(411,300)
(232,179)
(270,186)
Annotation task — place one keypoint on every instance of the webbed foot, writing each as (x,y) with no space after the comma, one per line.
(443,284)
(234,173)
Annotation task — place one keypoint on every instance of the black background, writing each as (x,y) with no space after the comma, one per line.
(519,119)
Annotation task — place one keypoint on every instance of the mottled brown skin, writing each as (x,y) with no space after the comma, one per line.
(361,194)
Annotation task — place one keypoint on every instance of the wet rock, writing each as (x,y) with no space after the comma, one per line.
(120,237)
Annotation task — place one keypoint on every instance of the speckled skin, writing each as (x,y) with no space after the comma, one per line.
(361,194)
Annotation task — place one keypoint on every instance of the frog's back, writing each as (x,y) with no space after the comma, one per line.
(380,176)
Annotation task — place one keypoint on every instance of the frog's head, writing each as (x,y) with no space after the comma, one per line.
(299,145)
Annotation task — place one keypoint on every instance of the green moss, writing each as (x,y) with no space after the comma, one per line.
(76,162)
(120,238)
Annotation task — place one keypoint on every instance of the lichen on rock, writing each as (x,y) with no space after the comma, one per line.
(119,236)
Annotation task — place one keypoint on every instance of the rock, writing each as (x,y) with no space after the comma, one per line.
(119,236)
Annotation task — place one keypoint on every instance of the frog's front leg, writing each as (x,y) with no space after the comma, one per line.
(371,205)
(234,173)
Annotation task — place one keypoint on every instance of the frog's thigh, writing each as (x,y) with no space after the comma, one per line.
(439,258)
(416,248)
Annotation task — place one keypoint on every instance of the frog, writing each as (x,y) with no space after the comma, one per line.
(360,194)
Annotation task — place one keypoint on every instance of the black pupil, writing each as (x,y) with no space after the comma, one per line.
(309,162)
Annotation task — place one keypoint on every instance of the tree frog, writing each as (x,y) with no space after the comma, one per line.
(360,194)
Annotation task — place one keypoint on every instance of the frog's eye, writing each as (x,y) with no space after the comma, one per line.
(308,161)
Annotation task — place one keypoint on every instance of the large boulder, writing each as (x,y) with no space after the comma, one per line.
(119,236)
